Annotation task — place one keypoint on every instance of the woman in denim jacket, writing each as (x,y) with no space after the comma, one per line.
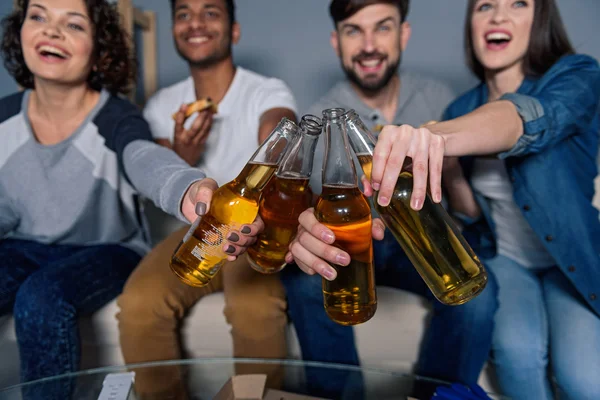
(528,137)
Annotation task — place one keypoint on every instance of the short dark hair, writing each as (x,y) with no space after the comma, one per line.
(229,4)
(548,41)
(340,10)
(116,66)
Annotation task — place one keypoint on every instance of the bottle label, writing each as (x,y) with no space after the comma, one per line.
(210,245)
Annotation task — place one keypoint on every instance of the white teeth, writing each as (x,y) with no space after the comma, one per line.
(53,50)
(198,39)
(370,63)
(497,36)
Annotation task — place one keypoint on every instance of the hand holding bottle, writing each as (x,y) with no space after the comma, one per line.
(196,203)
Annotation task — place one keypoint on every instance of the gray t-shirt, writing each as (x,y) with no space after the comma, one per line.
(421,100)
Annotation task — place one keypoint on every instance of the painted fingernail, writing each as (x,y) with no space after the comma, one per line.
(200,208)
(375,186)
(341,259)
(246,230)
(230,249)
(329,274)
(233,237)
(327,237)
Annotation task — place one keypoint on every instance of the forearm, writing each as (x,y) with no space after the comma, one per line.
(190,156)
(492,128)
(159,174)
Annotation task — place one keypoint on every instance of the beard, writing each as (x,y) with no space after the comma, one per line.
(371,85)
(222,53)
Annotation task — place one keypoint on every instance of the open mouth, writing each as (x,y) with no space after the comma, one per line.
(497,40)
(52,52)
(197,39)
(370,64)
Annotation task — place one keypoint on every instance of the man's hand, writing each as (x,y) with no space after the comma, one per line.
(189,143)
(312,247)
(196,203)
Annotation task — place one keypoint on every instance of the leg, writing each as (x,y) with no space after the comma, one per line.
(255,307)
(153,303)
(78,281)
(574,339)
(15,268)
(457,342)
(320,338)
(520,340)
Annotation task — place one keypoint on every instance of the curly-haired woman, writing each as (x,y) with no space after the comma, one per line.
(72,159)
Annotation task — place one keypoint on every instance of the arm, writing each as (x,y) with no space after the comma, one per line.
(8,216)
(270,119)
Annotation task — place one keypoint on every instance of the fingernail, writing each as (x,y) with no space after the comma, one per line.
(246,230)
(329,274)
(384,201)
(416,204)
(327,237)
(341,259)
(233,237)
(200,208)
(437,197)
(375,186)
(230,249)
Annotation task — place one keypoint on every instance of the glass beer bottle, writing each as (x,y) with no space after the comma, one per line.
(351,298)
(286,196)
(429,237)
(200,255)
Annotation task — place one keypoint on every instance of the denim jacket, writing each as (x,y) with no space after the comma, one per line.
(552,168)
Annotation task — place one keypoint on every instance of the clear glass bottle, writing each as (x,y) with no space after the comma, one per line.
(284,199)
(351,298)
(200,255)
(429,237)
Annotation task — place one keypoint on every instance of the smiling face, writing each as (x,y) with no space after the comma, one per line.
(500,32)
(370,45)
(57,40)
(202,31)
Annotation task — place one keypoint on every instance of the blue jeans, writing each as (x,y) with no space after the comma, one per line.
(47,287)
(541,312)
(456,344)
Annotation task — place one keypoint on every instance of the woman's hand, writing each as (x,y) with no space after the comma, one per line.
(312,248)
(196,203)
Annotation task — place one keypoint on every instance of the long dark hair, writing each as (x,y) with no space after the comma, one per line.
(548,42)
(115,64)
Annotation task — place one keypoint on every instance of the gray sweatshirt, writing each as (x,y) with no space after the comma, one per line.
(84,190)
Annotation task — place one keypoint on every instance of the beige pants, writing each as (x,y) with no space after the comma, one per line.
(154,302)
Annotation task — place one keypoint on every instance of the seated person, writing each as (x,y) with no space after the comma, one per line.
(73,157)
(249,106)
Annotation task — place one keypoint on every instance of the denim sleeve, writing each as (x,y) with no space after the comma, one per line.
(563,102)
(8,215)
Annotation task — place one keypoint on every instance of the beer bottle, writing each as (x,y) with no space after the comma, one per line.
(351,298)
(286,196)
(200,255)
(429,237)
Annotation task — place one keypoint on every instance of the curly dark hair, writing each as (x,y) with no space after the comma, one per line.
(115,64)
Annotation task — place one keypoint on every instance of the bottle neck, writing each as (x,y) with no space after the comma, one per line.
(338,166)
(298,162)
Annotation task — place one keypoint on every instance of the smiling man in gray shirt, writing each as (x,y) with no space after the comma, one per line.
(369,39)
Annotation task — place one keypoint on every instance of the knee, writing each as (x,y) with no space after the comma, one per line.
(248,309)
(577,383)
(513,352)
(40,304)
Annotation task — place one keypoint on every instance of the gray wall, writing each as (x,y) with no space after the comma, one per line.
(289,39)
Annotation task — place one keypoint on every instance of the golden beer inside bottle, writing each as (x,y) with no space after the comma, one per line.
(350,299)
(234,204)
(432,242)
(282,202)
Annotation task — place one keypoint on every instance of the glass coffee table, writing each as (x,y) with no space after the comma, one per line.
(201,379)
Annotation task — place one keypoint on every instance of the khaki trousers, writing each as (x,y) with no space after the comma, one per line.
(154,303)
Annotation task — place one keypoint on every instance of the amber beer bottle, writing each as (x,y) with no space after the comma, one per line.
(429,237)
(285,197)
(200,255)
(351,298)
